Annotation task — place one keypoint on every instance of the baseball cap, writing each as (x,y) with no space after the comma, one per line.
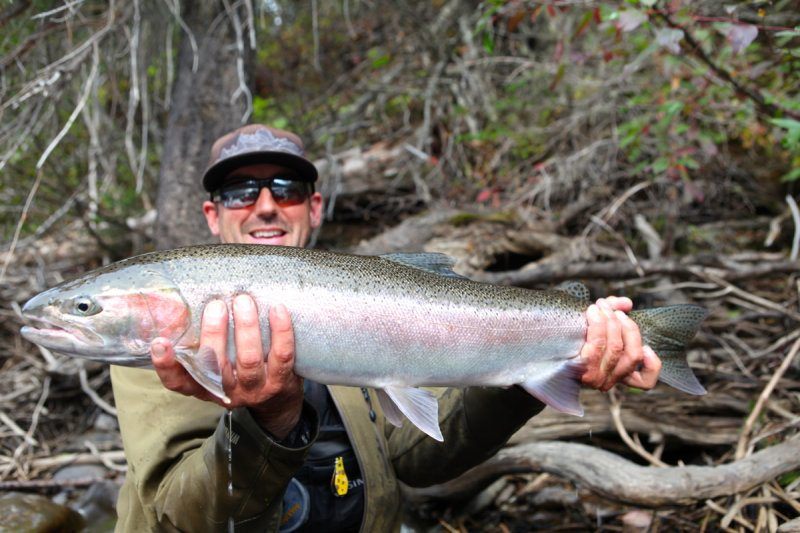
(253,144)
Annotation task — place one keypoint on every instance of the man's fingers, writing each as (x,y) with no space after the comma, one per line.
(172,375)
(647,377)
(249,351)
(631,353)
(620,303)
(592,351)
(214,335)
(280,361)
(612,346)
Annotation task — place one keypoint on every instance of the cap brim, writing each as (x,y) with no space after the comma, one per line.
(216,174)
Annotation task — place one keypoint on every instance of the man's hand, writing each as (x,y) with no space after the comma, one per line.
(613,352)
(268,387)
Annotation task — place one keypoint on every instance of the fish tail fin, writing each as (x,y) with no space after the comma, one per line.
(561,390)
(668,330)
(419,405)
(204,367)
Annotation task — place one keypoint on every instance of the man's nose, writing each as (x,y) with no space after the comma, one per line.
(265,203)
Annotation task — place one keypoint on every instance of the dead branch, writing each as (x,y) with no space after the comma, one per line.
(620,480)
(553,272)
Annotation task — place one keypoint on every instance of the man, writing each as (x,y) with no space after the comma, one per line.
(295,456)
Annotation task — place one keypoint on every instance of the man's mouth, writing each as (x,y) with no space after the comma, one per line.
(267,234)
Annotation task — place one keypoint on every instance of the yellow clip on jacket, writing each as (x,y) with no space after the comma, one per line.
(179,477)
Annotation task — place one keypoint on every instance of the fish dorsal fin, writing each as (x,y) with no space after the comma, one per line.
(419,405)
(574,288)
(435,263)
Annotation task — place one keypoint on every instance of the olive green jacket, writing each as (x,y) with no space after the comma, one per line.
(180,477)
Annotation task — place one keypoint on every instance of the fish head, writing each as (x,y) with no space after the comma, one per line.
(108,315)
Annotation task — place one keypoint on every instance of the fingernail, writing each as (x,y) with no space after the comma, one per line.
(593,313)
(158,350)
(215,309)
(622,316)
(243,302)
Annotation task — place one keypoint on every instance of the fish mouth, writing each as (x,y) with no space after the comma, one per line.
(70,339)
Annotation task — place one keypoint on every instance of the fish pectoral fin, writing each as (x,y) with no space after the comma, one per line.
(420,406)
(203,366)
(561,390)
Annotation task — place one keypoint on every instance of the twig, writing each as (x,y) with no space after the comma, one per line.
(75,112)
(82,458)
(763,302)
(21,221)
(90,392)
(615,409)
(796,218)
(5,419)
(719,509)
(628,251)
(48,483)
(741,448)
(106,460)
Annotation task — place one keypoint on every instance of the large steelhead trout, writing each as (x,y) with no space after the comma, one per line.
(393,322)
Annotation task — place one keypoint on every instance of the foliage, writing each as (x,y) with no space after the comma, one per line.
(695,82)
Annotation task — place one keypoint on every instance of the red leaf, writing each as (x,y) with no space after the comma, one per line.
(559,51)
(551,11)
(597,17)
(514,21)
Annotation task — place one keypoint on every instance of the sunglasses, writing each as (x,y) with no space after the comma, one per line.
(285,192)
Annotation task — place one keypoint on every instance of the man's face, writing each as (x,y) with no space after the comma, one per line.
(264,222)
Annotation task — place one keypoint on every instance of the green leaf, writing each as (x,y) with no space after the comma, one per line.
(660,165)
(792,138)
(792,175)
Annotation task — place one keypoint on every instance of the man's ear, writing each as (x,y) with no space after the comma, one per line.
(212,216)
(315,201)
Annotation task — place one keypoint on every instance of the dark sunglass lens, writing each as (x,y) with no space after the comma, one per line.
(239,197)
(289,192)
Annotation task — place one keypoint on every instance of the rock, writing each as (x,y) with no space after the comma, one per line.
(32,513)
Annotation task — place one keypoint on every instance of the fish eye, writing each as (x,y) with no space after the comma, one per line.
(85,306)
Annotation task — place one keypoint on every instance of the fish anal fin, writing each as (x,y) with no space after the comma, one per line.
(204,367)
(420,406)
(390,410)
(561,390)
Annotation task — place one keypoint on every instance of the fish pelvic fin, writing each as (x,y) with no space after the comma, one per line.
(668,330)
(204,367)
(561,390)
(420,406)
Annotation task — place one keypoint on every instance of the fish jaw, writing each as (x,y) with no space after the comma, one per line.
(53,332)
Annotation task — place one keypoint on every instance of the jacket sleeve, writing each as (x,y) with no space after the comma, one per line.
(475,423)
(187,471)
